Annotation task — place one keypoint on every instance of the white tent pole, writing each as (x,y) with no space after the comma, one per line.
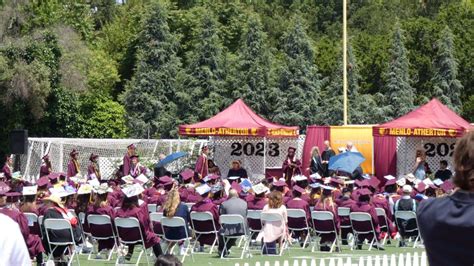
(264,155)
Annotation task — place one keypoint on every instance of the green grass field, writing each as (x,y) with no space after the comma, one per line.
(295,253)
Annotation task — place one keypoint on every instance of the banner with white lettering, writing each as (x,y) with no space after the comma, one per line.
(436,149)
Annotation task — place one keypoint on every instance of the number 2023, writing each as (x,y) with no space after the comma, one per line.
(249,149)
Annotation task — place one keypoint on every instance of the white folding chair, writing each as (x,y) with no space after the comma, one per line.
(152,208)
(274,218)
(235,221)
(95,219)
(298,214)
(155,217)
(32,219)
(130,223)
(383,227)
(204,217)
(344,212)
(61,224)
(176,222)
(254,215)
(190,205)
(362,217)
(406,216)
(324,216)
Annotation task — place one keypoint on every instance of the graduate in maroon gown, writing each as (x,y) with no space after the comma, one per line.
(206,205)
(291,166)
(93,168)
(73,167)
(218,195)
(46,167)
(326,203)
(136,168)
(282,186)
(127,160)
(28,205)
(345,201)
(363,205)
(102,207)
(7,169)
(258,200)
(201,168)
(297,203)
(33,242)
(186,178)
(131,208)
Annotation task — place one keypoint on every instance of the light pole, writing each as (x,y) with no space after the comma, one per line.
(344,57)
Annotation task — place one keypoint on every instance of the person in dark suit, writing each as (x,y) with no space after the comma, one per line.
(325,156)
(446,224)
(234,205)
(316,165)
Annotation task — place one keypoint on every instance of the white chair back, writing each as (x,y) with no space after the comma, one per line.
(343,211)
(156,217)
(152,208)
(31,217)
(360,217)
(173,222)
(98,219)
(201,216)
(190,205)
(270,217)
(130,222)
(322,215)
(296,213)
(405,215)
(254,214)
(58,224)
(234,219)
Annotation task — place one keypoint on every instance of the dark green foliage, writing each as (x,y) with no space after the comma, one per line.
(446,87)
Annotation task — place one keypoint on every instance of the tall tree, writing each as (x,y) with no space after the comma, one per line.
(253,81)
(399,93)
(446,86)
(299,81)
(203,88)
(149,96)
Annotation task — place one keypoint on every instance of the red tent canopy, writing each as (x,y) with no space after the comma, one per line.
(237,120)
(430,120)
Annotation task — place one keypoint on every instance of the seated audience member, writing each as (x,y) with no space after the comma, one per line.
(56,210)
(234,205)
(326,203)
(297,203)
(237,170)
(406,203)
(206,205)
(131,208)
(363,205)
(446,224)
(173,207)
(13,250)
(274,231)
(443,173)
(101,206)
(345,201)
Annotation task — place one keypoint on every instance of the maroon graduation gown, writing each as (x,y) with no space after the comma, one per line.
(370,209)
(297,203)
(131,234)
(126,164)
(319,206)
(33,242)
(71,169)
(7,171)
(291,171)
(379,201)
(206,205)
(44,170)
(183,193)
(102,230)
(201,168)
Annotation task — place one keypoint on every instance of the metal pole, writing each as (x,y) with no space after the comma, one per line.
(264,155)
(344,57)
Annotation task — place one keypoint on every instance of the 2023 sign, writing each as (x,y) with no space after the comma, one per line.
(249,149)
(440,149)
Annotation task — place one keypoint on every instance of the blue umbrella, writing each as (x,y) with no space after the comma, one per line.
(346,161)
(171,158)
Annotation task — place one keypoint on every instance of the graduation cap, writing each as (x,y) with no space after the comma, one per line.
(216,188)
(315,176)
(447,186)
(236,186)
(29,190)
(73,152)
(163,180)
(58,191)
(401,182)
(93,156)
(246,185)
(128,179)
(300,178)
(336,181)
(410,177)
(132,190)
(53,176)
(203,189)
(299,189)
(427,181)
(349,182)
(421,187)
(102,189)
(259,189)
(4,188)
(45,157)
(70,190)
(374,182)
(315,185)
(84,189)
(364,192)
(43,182)
(291,148)
(358,182)
(233,178)
(390,182)
(438,182)
(329,188)
(389,177)
(279,183)
(187,174)
(131,146)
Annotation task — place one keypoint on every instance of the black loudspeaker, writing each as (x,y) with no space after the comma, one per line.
(19,141)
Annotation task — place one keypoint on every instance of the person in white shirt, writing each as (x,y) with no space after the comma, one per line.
(13,250)
(350,147)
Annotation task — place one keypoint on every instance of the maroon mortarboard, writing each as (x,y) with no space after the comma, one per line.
(374,182)
(336,181)
(131,146)
(421,187)
(291,148)
(53,176)
(165,179)
(390,182)
(62,176)
(93,157)
(432,186)
(365,183)
(112,182)
(299,189)
(237,187)
(364,191)
(279,183)
(4,188)
(269,178)
(358,182)
(45,157)
(73,152)
(43,181)
(447,186)
(187,174)
(214,177)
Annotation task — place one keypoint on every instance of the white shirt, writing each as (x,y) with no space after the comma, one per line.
(13,250)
